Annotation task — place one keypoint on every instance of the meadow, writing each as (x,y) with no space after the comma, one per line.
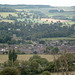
(7,21)
(4,58)
(5,14)
(59,38)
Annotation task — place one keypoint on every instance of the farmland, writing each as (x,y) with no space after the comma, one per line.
(5,14)
(4,58)
(30,30)
(59,38)
(54,20)
(10,21)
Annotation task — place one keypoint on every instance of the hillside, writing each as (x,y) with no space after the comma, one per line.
(33,22)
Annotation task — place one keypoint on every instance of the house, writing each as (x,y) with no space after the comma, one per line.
(70,49)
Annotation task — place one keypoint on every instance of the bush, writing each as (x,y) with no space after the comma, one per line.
(46,73)
(9,71)
(50,67)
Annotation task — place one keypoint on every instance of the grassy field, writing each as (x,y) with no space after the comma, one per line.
(5,14)
(70,73)
(7,21)
(4,58)
(58,38)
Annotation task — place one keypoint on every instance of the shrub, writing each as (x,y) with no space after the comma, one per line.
(9,71)
(46,73)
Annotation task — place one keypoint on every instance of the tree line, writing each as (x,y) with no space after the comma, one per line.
(31,31)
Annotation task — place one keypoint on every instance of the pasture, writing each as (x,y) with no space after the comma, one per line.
(54,20)
(24,57)
(7,21)
(5,14)
(59,38)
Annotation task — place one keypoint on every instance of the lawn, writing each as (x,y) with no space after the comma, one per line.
(4,58)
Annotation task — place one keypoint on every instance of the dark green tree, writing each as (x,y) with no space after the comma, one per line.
(12,56)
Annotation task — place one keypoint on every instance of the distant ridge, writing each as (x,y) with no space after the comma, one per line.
(27,6)
(73,7)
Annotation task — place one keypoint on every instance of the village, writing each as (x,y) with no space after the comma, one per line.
(36,47)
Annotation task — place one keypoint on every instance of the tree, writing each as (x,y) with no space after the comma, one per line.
(9,71)
(65,62)
(55,50)
(24,68)
(42,42)
(50,67)
(12,56)
(46,73)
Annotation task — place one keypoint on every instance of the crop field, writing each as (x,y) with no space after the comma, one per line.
(5,14)
(7,21)
(4,58)
(54,20)
(22,9)
(58,38)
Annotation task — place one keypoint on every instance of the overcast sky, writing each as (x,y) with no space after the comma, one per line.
(43,2)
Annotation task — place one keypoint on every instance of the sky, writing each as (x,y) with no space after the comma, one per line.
(40,2)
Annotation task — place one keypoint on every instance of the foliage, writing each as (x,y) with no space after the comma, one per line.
(53,11)
(41,42)
(33,33)
(55,50)
(4,9)
(51,50)
(12,56)
(46,73)
(67,58)
(42,61)
(25,68)
(9,71)
(50,67)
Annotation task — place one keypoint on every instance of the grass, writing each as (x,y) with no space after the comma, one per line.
(70,73)
(4,58)
(33,20)
(7,21)
(58,38)
(5,14)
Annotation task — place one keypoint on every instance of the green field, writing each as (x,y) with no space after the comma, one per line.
(7,21)
(58,38)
